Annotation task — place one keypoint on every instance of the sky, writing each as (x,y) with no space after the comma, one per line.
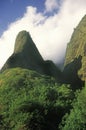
(50,23)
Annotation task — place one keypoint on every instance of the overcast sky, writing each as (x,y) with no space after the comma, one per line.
(50,23)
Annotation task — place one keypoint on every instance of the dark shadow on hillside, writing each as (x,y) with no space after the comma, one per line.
(52,70)
(25,61)
(70,73)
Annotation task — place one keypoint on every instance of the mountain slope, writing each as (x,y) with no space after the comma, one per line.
(77,48)
(31,101)
(26,55)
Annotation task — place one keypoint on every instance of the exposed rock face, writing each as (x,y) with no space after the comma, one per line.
(26,55)
(77,48)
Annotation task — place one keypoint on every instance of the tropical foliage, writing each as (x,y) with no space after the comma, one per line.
(76,119)
(30,101)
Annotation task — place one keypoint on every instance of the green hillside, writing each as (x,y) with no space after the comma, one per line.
(30,101)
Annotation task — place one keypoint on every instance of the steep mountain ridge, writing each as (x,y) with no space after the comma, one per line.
(77,48)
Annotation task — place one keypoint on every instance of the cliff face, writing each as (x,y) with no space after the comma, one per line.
(77,48)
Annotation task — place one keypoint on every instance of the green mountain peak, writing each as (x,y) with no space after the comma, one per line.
(27,56)
(21,41)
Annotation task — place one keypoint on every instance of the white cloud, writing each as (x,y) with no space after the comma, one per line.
(51,5)
(51,34)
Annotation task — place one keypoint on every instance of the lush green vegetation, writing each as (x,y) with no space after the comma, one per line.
(30,101)
(76,119)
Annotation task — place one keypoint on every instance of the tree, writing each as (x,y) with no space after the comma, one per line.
(76,120)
